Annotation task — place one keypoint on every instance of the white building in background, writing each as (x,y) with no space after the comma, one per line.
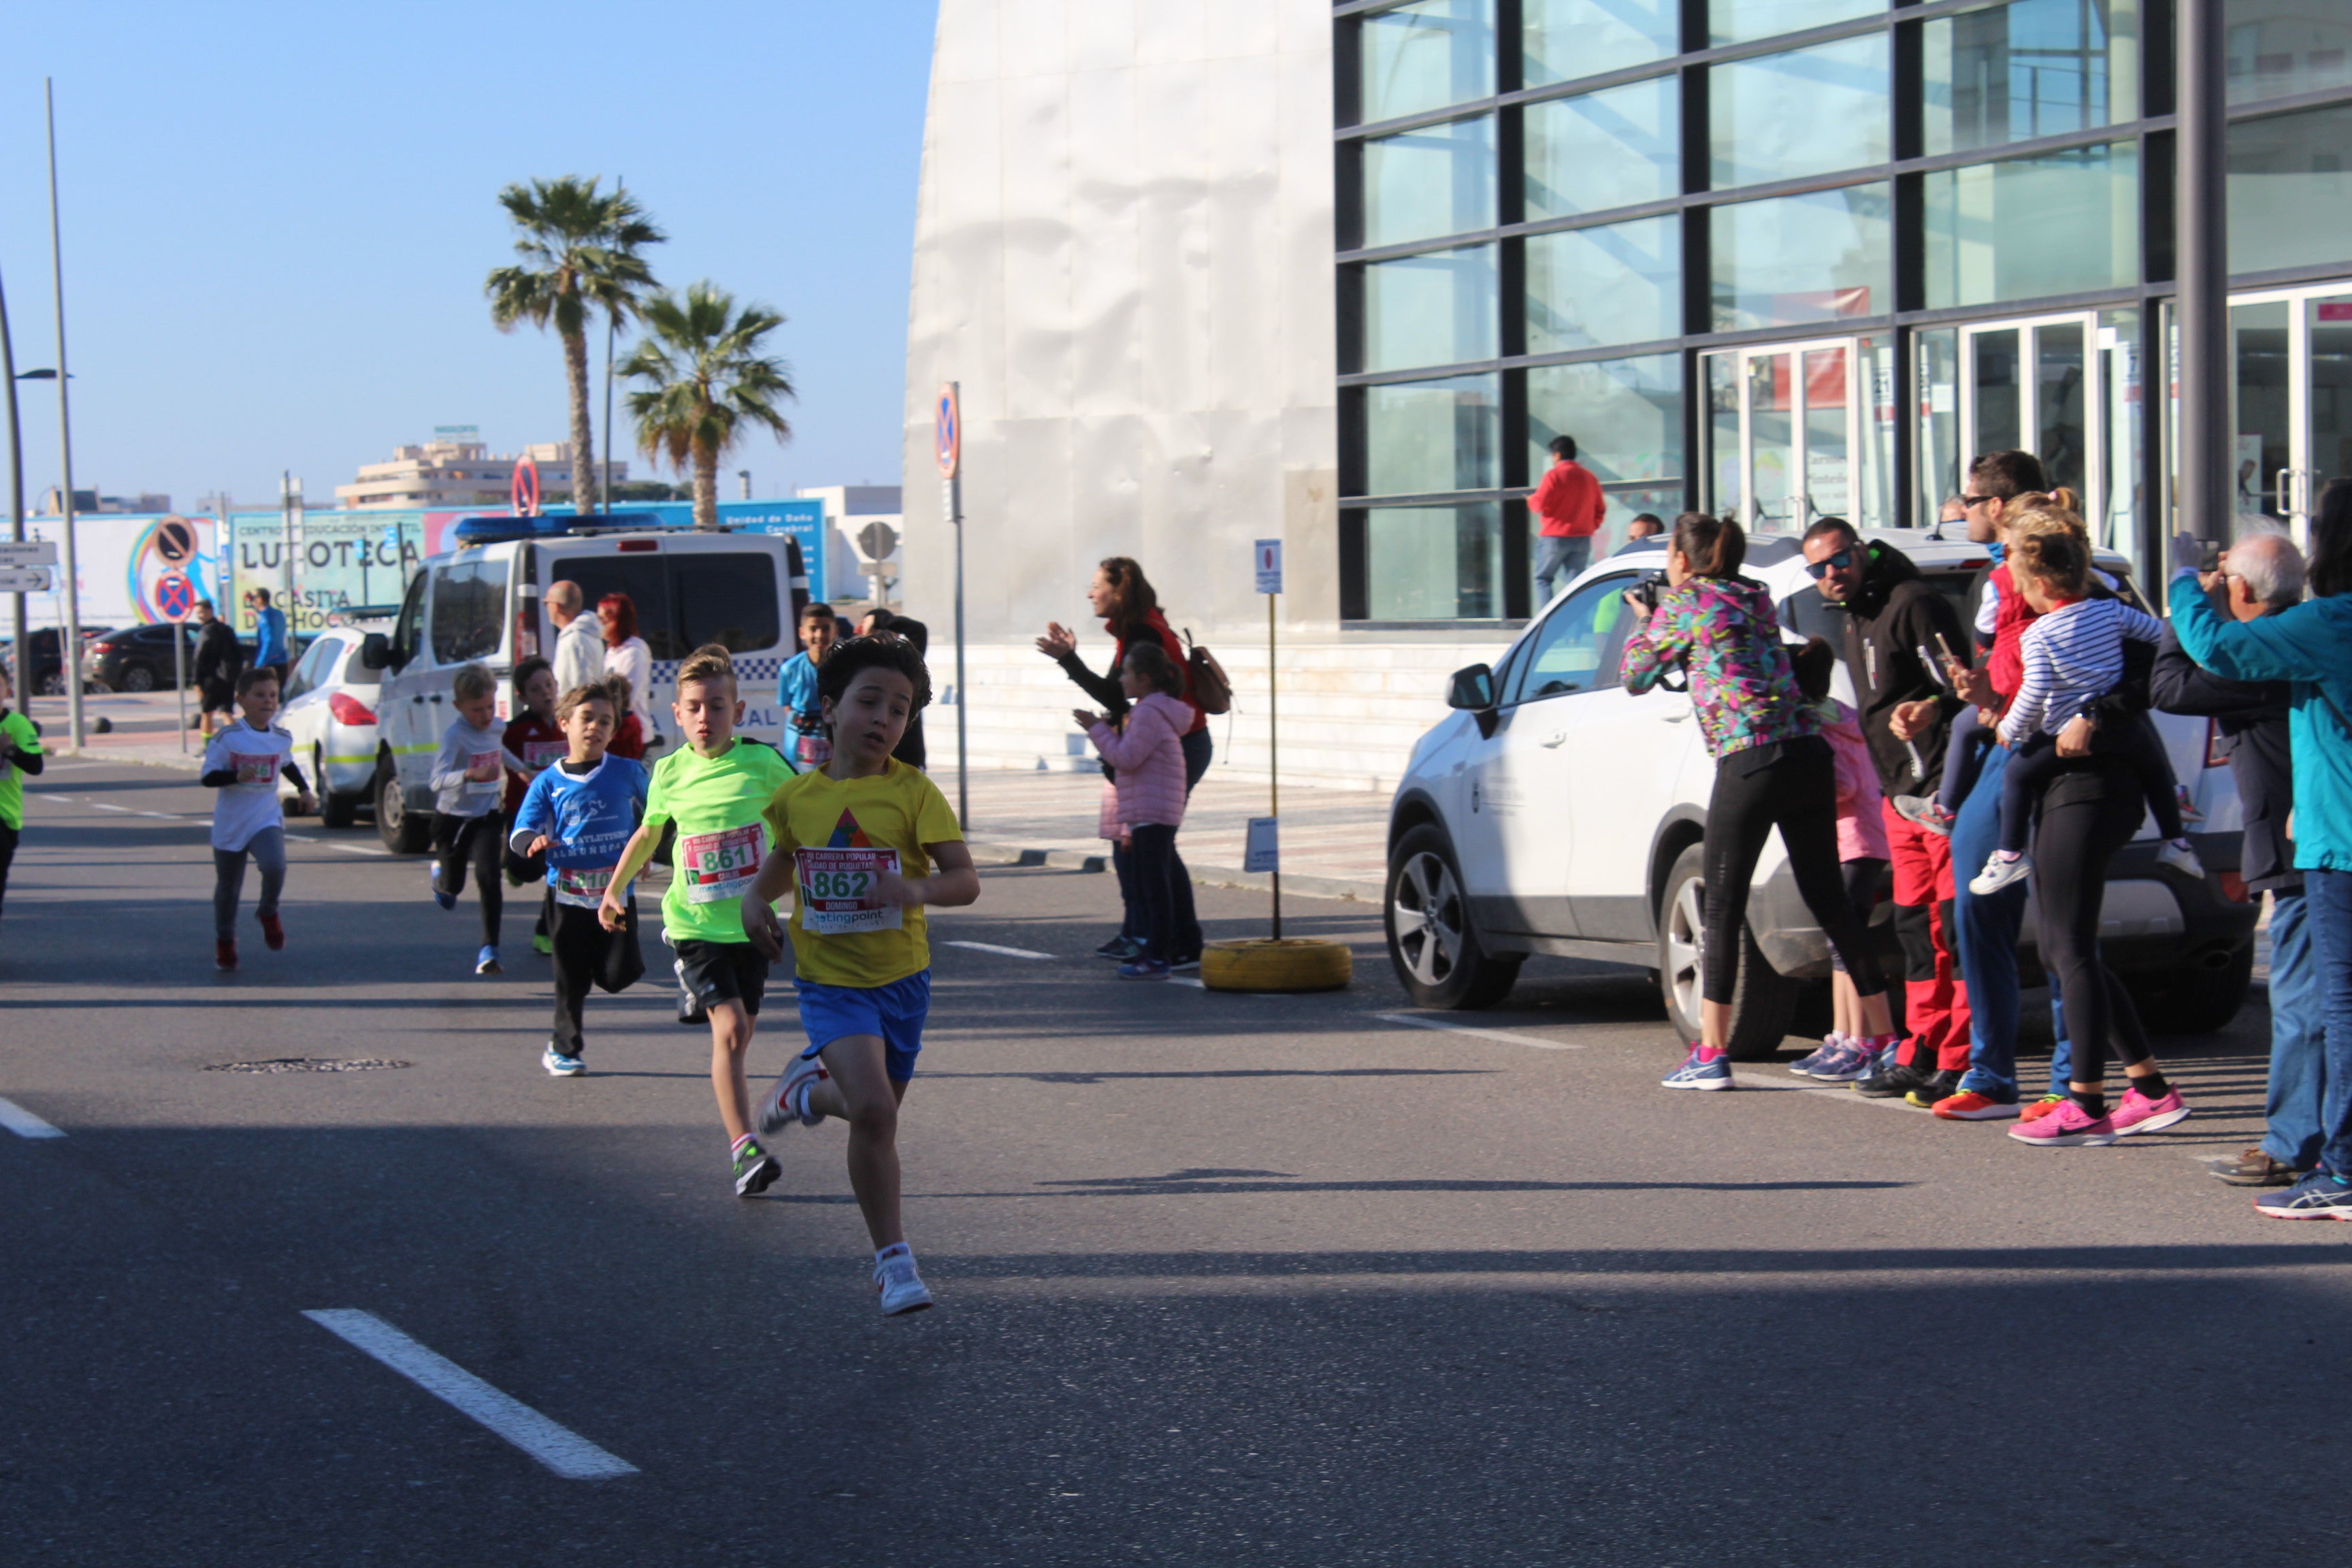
(459,476)
(849,509)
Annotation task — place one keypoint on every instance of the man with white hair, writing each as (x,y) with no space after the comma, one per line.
(2261,574)
(579,640)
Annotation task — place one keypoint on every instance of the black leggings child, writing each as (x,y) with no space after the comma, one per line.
(587,955)
(456,841)
(2136,745)
(1164,889)
(1791,785)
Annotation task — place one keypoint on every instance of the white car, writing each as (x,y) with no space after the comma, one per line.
(1555,812)
(331,702)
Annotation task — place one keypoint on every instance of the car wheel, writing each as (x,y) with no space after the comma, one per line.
(404,831)
(1431,943)
(2195,998)
(1762,999)
(138,678)
(53,684)
(334,810)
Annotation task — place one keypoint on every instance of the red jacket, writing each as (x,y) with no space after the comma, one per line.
(1568,500)
(2006,664)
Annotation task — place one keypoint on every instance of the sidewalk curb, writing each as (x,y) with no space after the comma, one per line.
(987,854)
(187,764)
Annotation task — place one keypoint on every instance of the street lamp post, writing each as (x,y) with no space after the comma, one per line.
(15,492)
(69,650)
(2205,487)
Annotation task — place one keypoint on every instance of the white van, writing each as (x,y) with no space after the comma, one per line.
(481,603)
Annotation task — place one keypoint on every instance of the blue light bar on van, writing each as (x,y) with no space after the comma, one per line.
(475,530)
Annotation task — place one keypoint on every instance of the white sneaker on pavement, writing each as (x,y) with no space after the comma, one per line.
(782,1106)
(901,1287)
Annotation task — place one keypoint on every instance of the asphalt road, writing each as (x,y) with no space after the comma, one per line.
(1221,1280)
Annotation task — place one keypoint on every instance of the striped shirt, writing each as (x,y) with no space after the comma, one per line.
(2073,656)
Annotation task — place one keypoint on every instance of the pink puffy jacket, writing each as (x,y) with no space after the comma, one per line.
(1861,818)
(1149,757)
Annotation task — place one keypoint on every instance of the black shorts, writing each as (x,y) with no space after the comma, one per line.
(710,973)
(216,696)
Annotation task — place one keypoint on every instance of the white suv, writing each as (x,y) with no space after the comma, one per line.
(1555,812)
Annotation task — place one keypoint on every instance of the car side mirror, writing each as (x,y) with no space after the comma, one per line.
(1472,688)
(375,651)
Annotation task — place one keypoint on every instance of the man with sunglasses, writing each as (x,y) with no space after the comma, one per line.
(1890,614)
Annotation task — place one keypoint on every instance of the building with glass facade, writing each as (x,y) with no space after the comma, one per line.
(1791,259)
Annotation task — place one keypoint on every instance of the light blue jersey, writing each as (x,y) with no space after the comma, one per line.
(588,819)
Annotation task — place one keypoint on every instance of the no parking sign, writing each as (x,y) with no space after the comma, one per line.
(175,597)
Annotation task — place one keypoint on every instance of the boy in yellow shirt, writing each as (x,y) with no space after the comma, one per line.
(864,843)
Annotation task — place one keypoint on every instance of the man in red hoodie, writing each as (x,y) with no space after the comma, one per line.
(1569,502)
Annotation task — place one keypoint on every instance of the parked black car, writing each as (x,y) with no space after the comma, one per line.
(43,680)
(137,658)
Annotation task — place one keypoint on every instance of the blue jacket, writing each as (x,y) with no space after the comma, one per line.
(587,817)
(2311,645)
(269,637)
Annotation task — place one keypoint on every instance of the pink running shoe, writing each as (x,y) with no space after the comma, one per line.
(2068,1127)
(2138,1113)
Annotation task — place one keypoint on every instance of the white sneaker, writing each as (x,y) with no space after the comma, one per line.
(782,1106)
(1999,874)
(558,1065)
(901,1287)
(2181,857)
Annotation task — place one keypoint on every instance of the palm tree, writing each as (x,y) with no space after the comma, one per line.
(579,249)
(708,382)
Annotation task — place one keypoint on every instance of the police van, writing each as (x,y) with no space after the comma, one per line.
(484,603)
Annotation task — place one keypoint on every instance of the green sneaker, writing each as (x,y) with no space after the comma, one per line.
(755,1170)
(540,945)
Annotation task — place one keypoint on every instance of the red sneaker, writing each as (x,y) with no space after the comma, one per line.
(224,954)
(272,932)
(2042,1107)
(1972,1106)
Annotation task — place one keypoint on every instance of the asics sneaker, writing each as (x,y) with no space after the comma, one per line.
(559,1065)
(1833,1046)
(273,931)
(901,1288)
(2317,1196)
(1970,1105)
(224,954)
(2068,1127)
(2181,857)
(487,961)
(1999,874)
(1856,1061)
(2138,1113)
(786,1104)
(1696,1074)
(755,1170)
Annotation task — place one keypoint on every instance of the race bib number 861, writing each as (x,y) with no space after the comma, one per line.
(715,865)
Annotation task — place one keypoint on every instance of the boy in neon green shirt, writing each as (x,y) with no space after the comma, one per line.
(715,790)
(20,757)
(864,843)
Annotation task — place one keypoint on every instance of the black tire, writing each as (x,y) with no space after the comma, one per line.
(1433,943)
(404,831)
(2195,998)
(138,678)
(53,684)
(1763,1000)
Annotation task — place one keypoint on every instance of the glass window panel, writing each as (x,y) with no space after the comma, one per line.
(1429,183)
(1428,436)
(1438,309)
(1937,352)
(2060,427)
(1805,112)
(2126,435)
(1738,21)
(1564,39)
(1603,150)
(1426,55)
(2290,194)
(2279,47)
(2030,226)
(1579,645)
(1626,417)
(1996,392)
(1434,562)
(2040,68)
(1796,260)
(1722,489)
(1618,283)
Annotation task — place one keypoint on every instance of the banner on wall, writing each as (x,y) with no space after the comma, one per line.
(341,561)
(130,567)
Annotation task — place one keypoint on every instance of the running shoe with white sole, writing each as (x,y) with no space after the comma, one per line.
(1970,1105)
(1998,874)
(901,1288)
(2138,1113)
(2068,1127)
(1696,1074)
(2181,857)
(786,1105)
(487,961)
(559,1065)
(755,1170)
(1833,1046)
(2317,1196)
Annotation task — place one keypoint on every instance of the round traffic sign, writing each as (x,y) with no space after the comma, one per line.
(175,597)
(524,488)
(946,431)
(876,540)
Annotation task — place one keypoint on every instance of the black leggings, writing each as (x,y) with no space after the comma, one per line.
(456,841)
(1791,785)
(1164,888)
(8,837)
(2037,762)
(587,955)
(2090,814)
(1863,879)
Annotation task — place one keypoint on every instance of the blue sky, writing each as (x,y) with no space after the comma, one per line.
(278,218)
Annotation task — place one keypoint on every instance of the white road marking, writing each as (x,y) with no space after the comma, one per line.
(102,806)
(1843,1092)
(1191,980)
(1505,1035)
(992,947)
(23,1124)
(334,844)
(560,1448)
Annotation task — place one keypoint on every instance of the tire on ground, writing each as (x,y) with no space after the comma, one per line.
(404,831)
(1763,1000)
(2195,998)
(1432,944)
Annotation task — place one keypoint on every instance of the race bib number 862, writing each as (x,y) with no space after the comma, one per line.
(838,894)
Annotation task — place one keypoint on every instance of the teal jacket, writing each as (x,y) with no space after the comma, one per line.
(2310,645)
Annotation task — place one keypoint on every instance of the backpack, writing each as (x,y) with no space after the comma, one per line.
(1212,691)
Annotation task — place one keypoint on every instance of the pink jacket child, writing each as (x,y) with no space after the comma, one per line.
(1861,824)
(1149,757)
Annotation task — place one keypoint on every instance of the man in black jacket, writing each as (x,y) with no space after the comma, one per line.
(2260,575)
(219,657)
(1890,615)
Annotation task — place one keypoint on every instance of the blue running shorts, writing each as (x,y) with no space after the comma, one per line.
(896,1012)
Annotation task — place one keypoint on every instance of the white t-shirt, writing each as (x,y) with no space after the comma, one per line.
(634,659)
(249,806)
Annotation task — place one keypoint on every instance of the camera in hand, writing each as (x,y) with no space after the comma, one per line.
(1646,590)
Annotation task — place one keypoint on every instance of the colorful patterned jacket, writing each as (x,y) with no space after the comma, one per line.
(1724,631)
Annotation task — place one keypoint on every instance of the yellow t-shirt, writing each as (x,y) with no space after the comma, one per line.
(841,834)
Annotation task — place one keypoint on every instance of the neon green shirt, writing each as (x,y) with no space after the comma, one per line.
(716,802)
(24,738)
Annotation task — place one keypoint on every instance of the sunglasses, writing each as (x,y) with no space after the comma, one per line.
(1817,570)
(1972,502)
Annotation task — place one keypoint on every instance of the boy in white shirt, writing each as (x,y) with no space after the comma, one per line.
(243,762)
(469,778)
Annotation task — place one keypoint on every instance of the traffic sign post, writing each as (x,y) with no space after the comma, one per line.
(175,597)
(28,552)
(24,580)
(1267,557)
(947,442)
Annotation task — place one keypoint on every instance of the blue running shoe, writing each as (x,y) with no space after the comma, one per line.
(1696,1074)
(1853,1061)
(433,881)
(559,1065)
(2317,1196)
(1832,1046)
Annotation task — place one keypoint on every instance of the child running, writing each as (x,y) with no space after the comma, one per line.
(2073,656)
(863,844)
(796,688)
(243,761)
(20,759)
(533,740)
(467,777)
(715,789)
(576,818)
(1148,754)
